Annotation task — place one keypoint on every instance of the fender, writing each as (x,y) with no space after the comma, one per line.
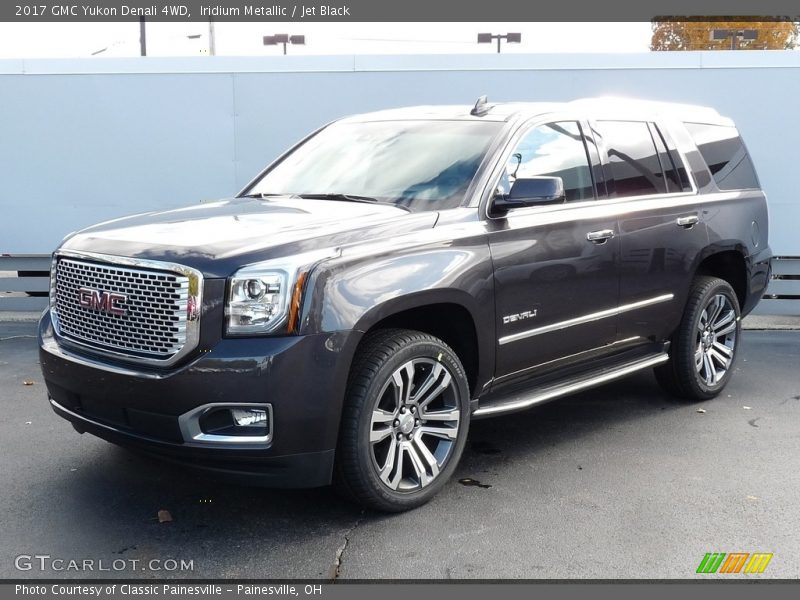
(362,287)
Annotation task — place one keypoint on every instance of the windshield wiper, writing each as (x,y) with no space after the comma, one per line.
(349,198)
(261,195)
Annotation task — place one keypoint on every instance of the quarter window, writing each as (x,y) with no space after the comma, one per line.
(554,150)
(725,155)
(632,157)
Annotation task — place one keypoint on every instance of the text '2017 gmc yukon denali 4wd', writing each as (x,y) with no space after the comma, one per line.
(397,274)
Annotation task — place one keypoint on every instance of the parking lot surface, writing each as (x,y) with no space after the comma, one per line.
(617,482)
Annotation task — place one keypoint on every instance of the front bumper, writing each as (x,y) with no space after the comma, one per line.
(302,378)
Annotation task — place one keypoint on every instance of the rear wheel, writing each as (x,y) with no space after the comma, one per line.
(703,348)
(405,420)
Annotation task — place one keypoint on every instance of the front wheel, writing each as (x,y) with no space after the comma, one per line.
(405,420)
(704,346)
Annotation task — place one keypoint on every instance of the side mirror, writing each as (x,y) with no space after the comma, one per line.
(530,192)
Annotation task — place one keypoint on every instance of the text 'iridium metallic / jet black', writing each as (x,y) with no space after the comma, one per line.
(396,274)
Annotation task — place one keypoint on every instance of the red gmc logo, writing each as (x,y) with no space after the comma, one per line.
(107,302)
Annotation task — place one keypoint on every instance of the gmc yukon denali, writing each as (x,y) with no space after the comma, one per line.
(395,275)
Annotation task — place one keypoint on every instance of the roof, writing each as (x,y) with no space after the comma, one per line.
(595,108)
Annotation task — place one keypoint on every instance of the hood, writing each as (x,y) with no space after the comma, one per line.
(219,237)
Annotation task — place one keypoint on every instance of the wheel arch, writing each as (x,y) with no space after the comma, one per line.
(449,315)
(729,264)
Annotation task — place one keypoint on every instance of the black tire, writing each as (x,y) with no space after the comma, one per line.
(687,376)
(372,395)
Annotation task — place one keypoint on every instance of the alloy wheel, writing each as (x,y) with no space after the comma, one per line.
(414,425)
(716,339)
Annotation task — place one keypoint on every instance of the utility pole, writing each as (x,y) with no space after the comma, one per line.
(212,40)
(142,37)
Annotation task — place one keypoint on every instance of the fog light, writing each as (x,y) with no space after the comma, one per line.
(249,417)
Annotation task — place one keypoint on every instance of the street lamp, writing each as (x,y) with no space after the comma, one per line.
(284,38)
(510,38)
(717,35)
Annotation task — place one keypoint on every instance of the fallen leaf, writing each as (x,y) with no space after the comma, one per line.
(746,407)
(701,410)
(27,382)
(164,516)
(752,497)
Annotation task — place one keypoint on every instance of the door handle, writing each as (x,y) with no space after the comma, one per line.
(600,237)
(687,222)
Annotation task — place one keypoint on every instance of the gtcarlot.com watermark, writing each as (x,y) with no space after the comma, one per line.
(55,564)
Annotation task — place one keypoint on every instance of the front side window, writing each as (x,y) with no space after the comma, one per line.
(419,165)
(554,150)
(632,157)
(725,155)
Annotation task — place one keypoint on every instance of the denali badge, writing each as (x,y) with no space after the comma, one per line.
(528,314)
(107,302)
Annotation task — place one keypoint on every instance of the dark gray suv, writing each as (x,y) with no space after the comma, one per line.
(396,274)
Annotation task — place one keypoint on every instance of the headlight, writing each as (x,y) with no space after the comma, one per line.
(265,297)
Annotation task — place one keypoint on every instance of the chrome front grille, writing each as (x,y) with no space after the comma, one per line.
(143,314)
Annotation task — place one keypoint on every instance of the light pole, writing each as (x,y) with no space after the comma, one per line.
(284,38)
(212,38)
(735,35)
(510,38)
(142,37)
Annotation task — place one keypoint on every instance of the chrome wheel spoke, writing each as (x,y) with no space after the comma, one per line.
(433,394)
(453,414)
(429,458)
(723,350)
(721,360)
(448,433)
(432,378)
(391,458)
(723,320)
(711,371)
(717,302)
(698,357)
(379,435)
(402,386)
(382,416)
(726,331)
(419,467)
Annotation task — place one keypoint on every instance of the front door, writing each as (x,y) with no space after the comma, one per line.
(555,266)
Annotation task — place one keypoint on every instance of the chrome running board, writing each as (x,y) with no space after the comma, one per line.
(520,401)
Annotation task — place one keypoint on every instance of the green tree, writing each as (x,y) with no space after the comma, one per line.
(694,33)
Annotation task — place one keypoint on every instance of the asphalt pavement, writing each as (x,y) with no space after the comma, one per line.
(616,482)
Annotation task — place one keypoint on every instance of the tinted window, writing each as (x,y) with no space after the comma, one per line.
(725,155)
(633,159)
(422,165)
(554,150)
(671,163)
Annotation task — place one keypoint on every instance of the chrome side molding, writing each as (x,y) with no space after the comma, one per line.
(543,395)
(603,314)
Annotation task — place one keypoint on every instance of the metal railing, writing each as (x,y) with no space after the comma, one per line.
(24,282)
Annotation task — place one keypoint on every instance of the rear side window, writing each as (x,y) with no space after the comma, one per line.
(676,177)
(725,155)
(633,158)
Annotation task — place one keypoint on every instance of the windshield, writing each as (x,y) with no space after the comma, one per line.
(419,165)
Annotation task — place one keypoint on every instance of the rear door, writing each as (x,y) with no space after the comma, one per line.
(553,284)
(661,225)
